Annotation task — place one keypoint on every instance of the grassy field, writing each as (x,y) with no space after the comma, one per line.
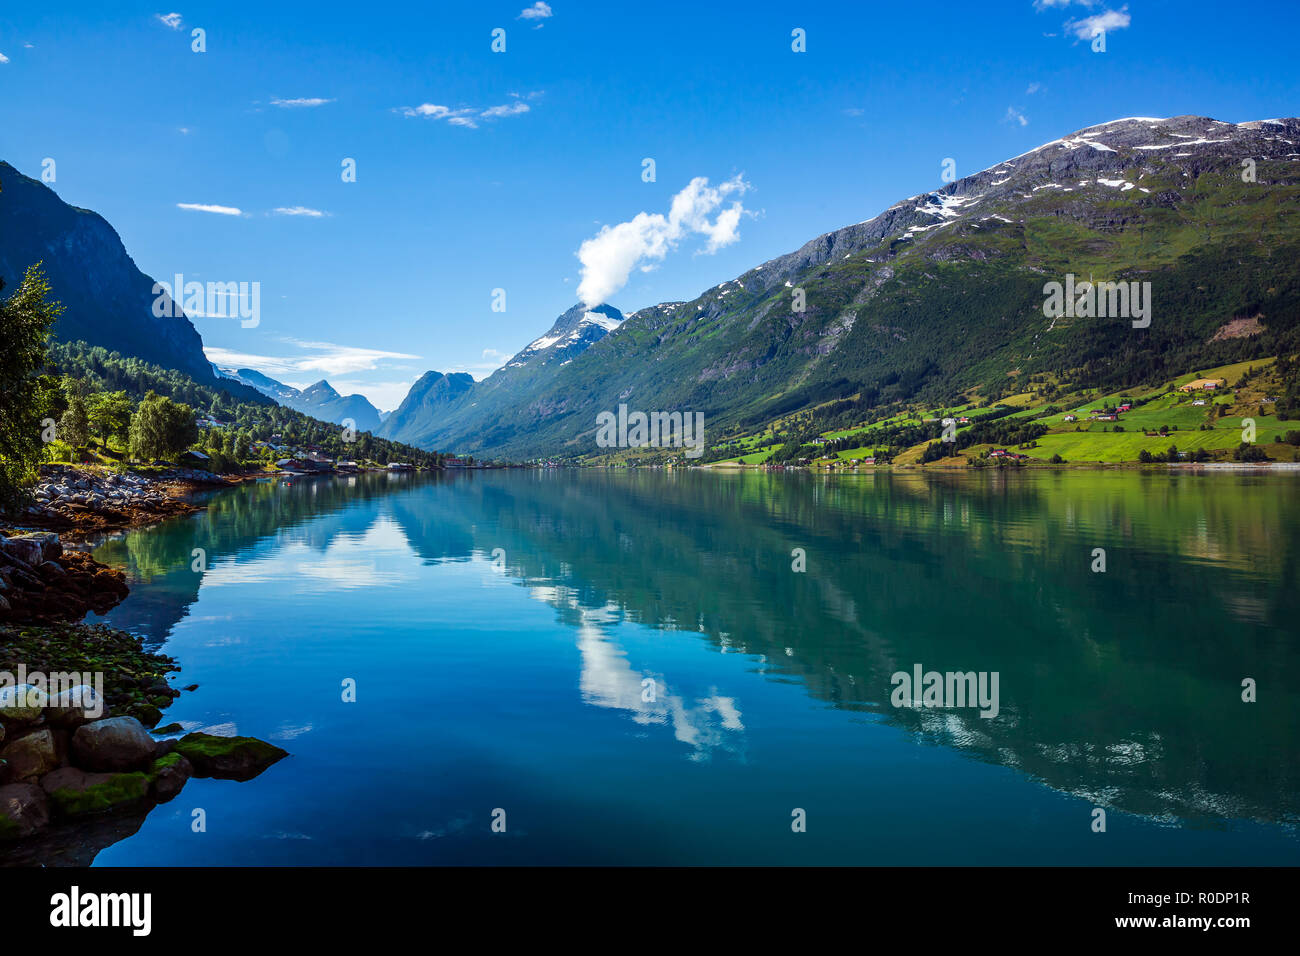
(1216,425)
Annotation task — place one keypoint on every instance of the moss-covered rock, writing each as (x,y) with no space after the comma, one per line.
(228,758)
(147,714)
(168,776)
(75,793)
(22,703)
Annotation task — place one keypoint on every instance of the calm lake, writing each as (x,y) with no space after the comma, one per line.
(627,665)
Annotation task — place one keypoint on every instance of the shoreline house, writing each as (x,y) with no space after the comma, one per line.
(305,465)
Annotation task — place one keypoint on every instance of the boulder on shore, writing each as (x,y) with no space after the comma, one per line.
(24,809)
(75,706)
(168,775)
(22,703)
(118,743)
(33,755)
(75,793)
(34,548)
(228,758)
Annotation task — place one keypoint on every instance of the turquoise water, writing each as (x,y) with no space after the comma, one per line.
(520,682)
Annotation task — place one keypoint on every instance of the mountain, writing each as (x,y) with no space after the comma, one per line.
(418,419)
(283,394)
(453,408)
(107,300)
(319,401)
(944,292)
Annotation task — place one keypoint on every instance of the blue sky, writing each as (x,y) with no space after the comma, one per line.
(478,171)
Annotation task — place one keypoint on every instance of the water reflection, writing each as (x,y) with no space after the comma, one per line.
(1122,688)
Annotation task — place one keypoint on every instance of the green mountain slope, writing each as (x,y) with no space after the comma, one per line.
(944,292)
(438,405)
(107,300)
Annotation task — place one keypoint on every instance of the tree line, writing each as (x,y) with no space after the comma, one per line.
(86,398)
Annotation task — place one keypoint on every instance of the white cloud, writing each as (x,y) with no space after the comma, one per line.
(538,11)
(302,101)
(609,257)
(172,20)
(508,109)
(299,211)
(1041,5)
(1107,21)
(201,207)
(1015,116)
(322,357)
(468,116)
(3,58)
(1033,88)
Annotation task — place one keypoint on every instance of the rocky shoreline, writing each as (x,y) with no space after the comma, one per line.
(90,500)
(79,767)
(64,758)
(41,582)
(86,752)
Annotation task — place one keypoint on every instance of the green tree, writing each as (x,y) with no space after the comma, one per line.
(74,425)
(161,428)
(26,318)
(110,415)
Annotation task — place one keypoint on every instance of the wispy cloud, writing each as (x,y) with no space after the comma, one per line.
(493,359)
(1033,88)
(609,257)
(1015,116)
(538,11)
(321,357)
(300,102)
(3,58)
(469,116)
(299,211)
(508,109)
(203,207)
(172,20)
(1107,21)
